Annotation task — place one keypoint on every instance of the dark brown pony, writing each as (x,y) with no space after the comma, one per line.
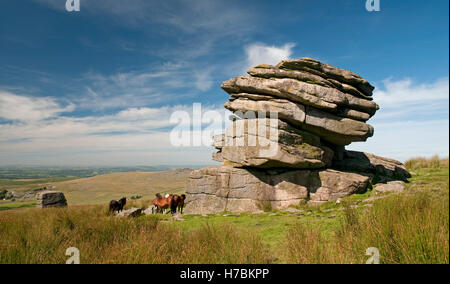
(178,203)
(115,205)
(162,203)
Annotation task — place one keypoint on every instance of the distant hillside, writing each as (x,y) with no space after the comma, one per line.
(73,172)
(103,188)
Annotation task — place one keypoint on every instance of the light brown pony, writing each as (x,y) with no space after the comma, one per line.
(178,203)
(162,203)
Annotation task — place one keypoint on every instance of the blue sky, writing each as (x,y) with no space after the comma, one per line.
(97,87)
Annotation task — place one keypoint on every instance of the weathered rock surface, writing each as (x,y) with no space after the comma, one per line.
(216,189)
(269,71)
(325,70)
(269,143)
(130,213)
(391,187)
(339,131)
(33,193)
(314,95)
(384,168)
(332,185)
(49,199)
(296,91)
(332,128)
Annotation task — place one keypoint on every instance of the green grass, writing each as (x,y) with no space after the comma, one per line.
(16,205)
(411,227)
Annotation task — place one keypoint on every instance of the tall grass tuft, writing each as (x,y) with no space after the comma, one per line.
(408,228)
(423,163)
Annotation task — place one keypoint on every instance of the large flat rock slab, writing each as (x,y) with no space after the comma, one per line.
(385,169)
(272,143)
(335,129)
(326,98)
(325,70)
(217,189)
(268,71)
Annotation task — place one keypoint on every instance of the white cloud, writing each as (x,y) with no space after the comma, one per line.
(203,80)
(259,53)
(412,120)
(407,100)
(140,132)
(22,108)
(403,140)
(405,92)
(154,85)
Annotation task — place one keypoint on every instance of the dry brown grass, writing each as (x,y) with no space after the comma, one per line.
(430,163)
(42,236)
(103,188)
(408,228)
(412,227)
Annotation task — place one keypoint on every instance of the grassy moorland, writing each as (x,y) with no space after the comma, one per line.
(103,188)
(411,227)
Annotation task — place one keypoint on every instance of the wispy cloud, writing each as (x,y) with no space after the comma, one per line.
(406,92)
(412,121)
(403,140)
(47,135)
(190,16)
(406,99)
(157,86)
(199,25)
(26,109)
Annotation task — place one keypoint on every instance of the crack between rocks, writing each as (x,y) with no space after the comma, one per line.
(236,198)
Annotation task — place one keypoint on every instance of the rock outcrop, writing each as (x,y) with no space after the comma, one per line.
(392,186)
(130,213)
(253,146)
(217,189)
(287,142)
(48,199)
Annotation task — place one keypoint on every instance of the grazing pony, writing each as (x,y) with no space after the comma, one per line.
(115,205)
(178,203)
(162,203)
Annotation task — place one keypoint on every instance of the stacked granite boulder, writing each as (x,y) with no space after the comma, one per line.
(299,153)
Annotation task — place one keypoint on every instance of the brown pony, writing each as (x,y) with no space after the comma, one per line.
(178,203)
(162,203)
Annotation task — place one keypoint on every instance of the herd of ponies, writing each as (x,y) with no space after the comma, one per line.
(172,202)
